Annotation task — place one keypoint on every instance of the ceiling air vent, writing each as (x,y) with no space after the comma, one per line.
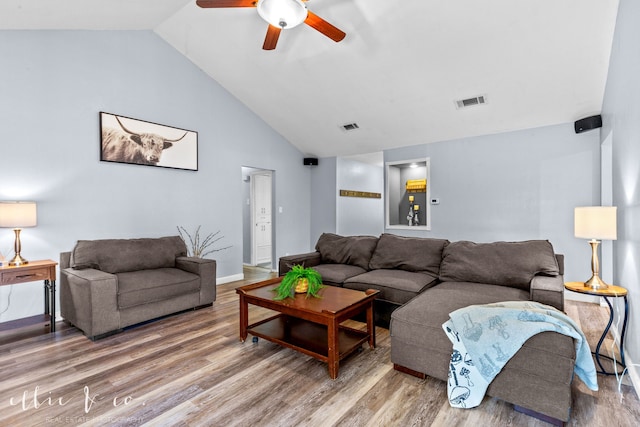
(349,127)
(469,102)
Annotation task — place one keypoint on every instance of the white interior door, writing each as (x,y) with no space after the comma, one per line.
(261,214)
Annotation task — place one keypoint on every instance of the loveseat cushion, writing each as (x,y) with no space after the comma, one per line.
(124,255)
(351,250)
(397,286)
(510,264)
(336,274)
(408,253)
(145,286)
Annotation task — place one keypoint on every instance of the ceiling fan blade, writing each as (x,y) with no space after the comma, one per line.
(226,3)
(324,27)
(271,39)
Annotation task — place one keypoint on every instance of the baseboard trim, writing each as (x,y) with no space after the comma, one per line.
(228,279)
(632,368)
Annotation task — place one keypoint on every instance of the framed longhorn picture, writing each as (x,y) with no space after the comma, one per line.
(127,140)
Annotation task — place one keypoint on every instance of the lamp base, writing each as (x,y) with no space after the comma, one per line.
(595,282)
(17,261)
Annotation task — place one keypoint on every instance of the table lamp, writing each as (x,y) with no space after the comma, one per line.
(595,222)
(17,215)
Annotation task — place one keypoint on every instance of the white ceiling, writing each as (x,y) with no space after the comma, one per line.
(396,74)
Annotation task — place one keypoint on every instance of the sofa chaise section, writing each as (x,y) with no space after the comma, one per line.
(107,285)
(539,376)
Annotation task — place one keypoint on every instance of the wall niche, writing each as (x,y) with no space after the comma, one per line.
(408,193)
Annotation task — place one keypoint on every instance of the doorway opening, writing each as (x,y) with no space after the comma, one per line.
(257,215)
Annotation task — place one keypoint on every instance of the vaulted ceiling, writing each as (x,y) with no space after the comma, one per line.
(397,73)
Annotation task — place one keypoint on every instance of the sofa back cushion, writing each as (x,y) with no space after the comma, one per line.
(351,250)
(408,253)
(123,255)
(500,263)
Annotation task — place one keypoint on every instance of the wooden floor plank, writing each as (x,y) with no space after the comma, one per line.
(191,370)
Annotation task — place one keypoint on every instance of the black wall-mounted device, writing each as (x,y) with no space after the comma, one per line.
(588,123)
(310,161)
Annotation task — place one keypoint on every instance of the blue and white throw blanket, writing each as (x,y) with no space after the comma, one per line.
(485,337)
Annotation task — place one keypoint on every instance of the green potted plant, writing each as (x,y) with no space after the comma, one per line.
(299,280)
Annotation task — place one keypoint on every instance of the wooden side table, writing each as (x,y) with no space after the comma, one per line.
(35,270)
(611,291)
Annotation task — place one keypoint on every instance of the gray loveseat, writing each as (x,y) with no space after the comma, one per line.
(107,285)
(422,280)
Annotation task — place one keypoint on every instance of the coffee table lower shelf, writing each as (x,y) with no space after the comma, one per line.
(307,337)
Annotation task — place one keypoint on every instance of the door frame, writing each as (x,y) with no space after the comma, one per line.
(252,205)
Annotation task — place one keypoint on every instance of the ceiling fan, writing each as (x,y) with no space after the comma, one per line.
(280,14)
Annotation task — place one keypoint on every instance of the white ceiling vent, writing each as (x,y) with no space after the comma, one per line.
(347,127)
(470,102)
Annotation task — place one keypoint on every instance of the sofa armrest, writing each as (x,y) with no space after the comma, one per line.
(310,259)
(560,260)
(65,260)
(89,300)
(548,290)
(206,269)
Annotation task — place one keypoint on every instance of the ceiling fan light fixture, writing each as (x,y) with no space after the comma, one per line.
(283,14)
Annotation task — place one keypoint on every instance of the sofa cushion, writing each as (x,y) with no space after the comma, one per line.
(145,286)
(397,286)
(500,263)
(408,253)
(123,255)
(336,274)
(352,250)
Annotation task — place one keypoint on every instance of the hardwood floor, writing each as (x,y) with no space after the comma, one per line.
(191,370)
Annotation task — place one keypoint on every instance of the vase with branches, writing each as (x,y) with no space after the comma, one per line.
(200,247)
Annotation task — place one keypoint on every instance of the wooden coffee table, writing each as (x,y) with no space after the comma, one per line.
(310,325)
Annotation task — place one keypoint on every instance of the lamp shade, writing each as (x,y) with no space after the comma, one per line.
(595,222)
(282,13)
(18,214)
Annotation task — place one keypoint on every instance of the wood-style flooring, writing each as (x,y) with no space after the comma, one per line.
(191,370)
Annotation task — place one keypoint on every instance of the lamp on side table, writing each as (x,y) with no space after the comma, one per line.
(18,215)
(595,222)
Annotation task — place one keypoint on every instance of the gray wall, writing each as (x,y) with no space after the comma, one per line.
(323,199)
(621,125)
(513,186)
(357,215)
(54,83)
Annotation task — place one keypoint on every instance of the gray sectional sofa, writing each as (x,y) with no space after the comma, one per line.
(107,285)
(422,280)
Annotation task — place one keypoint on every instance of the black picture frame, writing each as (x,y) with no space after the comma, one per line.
(139,142)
